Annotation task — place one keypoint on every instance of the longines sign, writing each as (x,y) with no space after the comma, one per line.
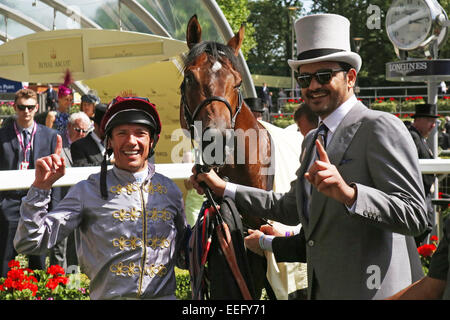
(418,70)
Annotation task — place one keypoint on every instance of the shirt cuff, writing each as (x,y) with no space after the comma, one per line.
(352,209)
(265,242)
(230,190)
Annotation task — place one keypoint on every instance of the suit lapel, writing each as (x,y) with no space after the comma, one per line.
(14,142)
(336,149)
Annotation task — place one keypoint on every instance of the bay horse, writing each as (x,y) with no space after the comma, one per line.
(212,105)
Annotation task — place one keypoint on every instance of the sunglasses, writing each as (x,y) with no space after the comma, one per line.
(22,107)
(80,130)
(322,76)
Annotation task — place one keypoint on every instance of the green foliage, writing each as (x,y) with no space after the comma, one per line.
(237,12)
(183,290)
(7,109)
(290,107)
(272,21)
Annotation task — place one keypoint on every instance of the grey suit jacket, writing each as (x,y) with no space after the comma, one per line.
(370,253)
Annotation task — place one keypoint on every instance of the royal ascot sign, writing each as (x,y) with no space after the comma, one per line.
(418,70)
(55,55)
(43,57)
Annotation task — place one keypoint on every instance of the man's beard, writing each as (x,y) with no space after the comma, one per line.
(322,110)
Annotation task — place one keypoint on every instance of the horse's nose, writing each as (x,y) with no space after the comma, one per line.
(213,147)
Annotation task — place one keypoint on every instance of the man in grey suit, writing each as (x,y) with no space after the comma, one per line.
(358,193)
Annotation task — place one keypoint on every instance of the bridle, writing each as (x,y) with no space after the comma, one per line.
(189,117)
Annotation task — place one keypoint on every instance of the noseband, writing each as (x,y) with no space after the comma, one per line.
(190,117)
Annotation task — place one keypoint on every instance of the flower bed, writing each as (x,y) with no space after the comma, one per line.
(283,120)
(51,284)
(408,104)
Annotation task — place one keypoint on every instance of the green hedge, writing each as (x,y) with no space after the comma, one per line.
(408,105)
(183,290)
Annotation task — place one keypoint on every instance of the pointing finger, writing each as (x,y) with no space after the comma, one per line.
(59,144)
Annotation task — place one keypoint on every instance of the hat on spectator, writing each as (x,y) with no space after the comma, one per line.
(324,37)
(254,104)
(425,110)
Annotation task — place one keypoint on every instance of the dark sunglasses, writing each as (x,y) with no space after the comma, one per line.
(322,76)
(80,130)
(22,107)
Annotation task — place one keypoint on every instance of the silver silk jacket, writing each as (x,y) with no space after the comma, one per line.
(127,245)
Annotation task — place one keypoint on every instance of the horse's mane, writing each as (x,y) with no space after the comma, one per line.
(214,49)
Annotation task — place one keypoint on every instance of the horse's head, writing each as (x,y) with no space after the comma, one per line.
(210,92)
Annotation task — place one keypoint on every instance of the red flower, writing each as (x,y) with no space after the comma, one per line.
(391,99)
(52,283)
(14,264)
(55,270)
(426,250)
(433,238)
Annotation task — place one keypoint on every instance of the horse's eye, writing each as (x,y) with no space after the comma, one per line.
(188,79)
(238,85)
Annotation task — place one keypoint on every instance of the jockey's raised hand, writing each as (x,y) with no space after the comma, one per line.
(50,168)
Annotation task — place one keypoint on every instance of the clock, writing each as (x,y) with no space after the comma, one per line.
(416,24)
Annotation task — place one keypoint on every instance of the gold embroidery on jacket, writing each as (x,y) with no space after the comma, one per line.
(129,188)
(156,270)
(151,188)
(154,214)
(122,214)
(133,243)
(133,269)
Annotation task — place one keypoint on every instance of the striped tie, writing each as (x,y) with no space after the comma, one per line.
(26,140)
(322,135)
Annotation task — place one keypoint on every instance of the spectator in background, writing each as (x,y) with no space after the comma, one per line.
(51,97)
(77,127)
(443,88)
(88,103)
(281,99)
(90,150)
(256,106)
(58,119)
(424,122)
(305,119)
(22,142)
(267,97)
(447,124)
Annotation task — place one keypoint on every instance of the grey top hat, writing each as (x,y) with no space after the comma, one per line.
(254,104)
(425,110)
(324,37)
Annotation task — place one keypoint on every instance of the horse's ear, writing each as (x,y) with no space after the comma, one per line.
(193,32)
(236,42)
